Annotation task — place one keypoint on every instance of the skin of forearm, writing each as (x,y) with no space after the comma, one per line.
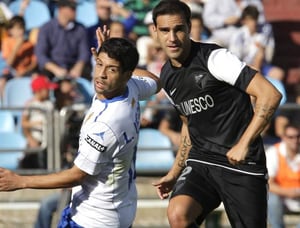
(262,116)
(63,179)
(260,120)
(51,66)
(265,106)
(78,66)
(182,153)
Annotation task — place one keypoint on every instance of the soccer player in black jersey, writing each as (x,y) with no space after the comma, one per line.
(221,157)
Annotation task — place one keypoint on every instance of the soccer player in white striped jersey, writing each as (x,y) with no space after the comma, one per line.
(103,176)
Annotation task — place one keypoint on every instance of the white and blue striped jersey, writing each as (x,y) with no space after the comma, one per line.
(107,147)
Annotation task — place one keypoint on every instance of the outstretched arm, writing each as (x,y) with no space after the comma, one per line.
(10,181)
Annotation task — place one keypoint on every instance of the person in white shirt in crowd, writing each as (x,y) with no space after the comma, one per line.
(222,18)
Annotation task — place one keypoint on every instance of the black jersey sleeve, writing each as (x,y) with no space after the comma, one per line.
(245,77)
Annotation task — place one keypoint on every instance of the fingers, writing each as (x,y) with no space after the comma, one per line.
(161,190)
(102,35)
(233,161)
(162,193)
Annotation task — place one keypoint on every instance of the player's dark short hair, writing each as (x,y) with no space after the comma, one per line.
(171,7)
(123,51)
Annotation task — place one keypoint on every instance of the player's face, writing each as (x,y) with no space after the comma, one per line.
(173,34)
(109,80)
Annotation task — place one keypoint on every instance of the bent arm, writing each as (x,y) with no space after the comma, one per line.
(10,181)
(144,73)
(267,100)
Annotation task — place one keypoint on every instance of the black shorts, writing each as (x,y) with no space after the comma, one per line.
(244,195)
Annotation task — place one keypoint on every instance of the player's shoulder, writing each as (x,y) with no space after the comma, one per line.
(204,50)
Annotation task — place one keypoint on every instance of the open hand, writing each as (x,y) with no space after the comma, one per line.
(102,35)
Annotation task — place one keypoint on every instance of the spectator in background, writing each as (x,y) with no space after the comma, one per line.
(34,120)
(144,42)
(284,117)
(65,94)
(140,9)
(17,52)
(117,29)
(246,42)
(283,163)
(156,58)
(222,18)
(251,44)
(198,31)
(107,12)
(62,45)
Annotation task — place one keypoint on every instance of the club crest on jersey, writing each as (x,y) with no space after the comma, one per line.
(198,78)
(93,143)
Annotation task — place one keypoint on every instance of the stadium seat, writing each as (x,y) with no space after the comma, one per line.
(36,14)
(154,153)
(7,122)
(17,92)
(86,13)
(12,145)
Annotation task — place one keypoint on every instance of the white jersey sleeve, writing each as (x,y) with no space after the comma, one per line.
(96,147)
(272,161)
(225,66)
(145,85)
